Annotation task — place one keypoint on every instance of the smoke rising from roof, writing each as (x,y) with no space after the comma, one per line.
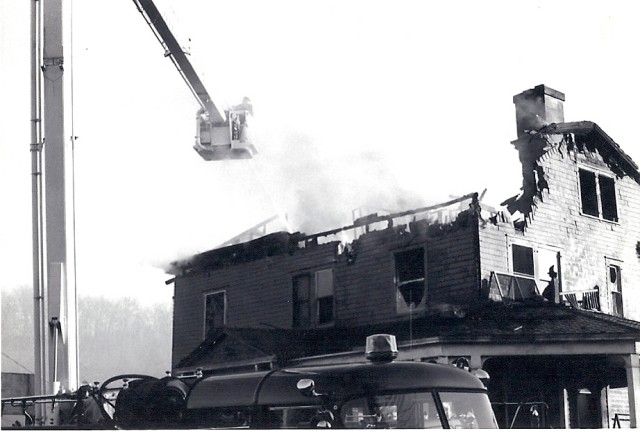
(318,185)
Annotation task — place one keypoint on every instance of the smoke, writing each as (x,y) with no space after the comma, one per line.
(320,184)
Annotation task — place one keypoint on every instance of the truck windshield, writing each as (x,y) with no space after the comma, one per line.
(468,410)
(418,410)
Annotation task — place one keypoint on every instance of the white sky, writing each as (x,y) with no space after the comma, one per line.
(387,104)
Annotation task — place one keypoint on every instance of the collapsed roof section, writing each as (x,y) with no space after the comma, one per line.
(437,218)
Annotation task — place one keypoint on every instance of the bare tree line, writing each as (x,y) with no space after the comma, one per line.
(116,336)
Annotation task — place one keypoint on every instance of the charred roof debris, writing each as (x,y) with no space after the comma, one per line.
(432,220)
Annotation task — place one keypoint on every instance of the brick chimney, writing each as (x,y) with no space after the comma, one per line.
(538,107)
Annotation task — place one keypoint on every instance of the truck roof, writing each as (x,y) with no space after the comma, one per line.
(279,387)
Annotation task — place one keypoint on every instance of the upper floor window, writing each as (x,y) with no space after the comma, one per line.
(313,299)
(523,260)
(215,311)
(533,271)
(614,281)
(598,195)
(410,280)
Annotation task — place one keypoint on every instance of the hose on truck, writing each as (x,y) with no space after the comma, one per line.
(143,401)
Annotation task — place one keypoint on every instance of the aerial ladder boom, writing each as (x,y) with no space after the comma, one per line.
(221,133)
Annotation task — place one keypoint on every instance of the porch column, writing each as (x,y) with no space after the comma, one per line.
(632,365)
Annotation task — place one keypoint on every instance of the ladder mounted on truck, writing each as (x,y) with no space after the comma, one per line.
(221,133)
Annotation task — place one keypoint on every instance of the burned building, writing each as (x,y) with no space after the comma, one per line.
(541,293)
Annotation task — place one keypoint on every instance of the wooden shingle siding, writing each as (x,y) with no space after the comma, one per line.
(259,293)
(583,241)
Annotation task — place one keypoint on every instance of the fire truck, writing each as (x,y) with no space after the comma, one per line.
(377,393)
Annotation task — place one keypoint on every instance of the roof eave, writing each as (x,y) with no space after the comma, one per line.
(586,128)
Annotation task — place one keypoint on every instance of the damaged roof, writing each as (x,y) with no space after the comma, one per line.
(269,245)
(580,136)
(531,322)
(593,137)
(279,243)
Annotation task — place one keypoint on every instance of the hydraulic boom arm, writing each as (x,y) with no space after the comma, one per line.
(220,133)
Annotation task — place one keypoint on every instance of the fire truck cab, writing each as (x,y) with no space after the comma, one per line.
(377,394)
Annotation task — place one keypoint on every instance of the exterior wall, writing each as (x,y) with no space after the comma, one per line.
(259,293)
(583,241)
(453,272)
(365,290)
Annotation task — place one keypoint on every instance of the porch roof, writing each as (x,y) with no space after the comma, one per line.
(495,323)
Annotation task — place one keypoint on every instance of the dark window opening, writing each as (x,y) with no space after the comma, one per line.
(598,195)
(325,310)
(214,311)
(522,260)
(588,193)
(301,301)
(608,197)
(324,295)
(410,277)
(410,265)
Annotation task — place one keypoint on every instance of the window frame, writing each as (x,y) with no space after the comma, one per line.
(617,293)
(538,276)
(205,329)
(533,260)
(314,299)
(611,206)
(401,305)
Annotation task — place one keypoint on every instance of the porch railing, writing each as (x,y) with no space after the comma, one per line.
(618,418)
(588,299)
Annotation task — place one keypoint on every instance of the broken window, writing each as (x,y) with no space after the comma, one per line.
(615,287)
(598,195)
(523,260)
(410,280)
(214,311)
(313,299)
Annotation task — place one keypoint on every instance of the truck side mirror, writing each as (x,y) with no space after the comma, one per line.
(307,387)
